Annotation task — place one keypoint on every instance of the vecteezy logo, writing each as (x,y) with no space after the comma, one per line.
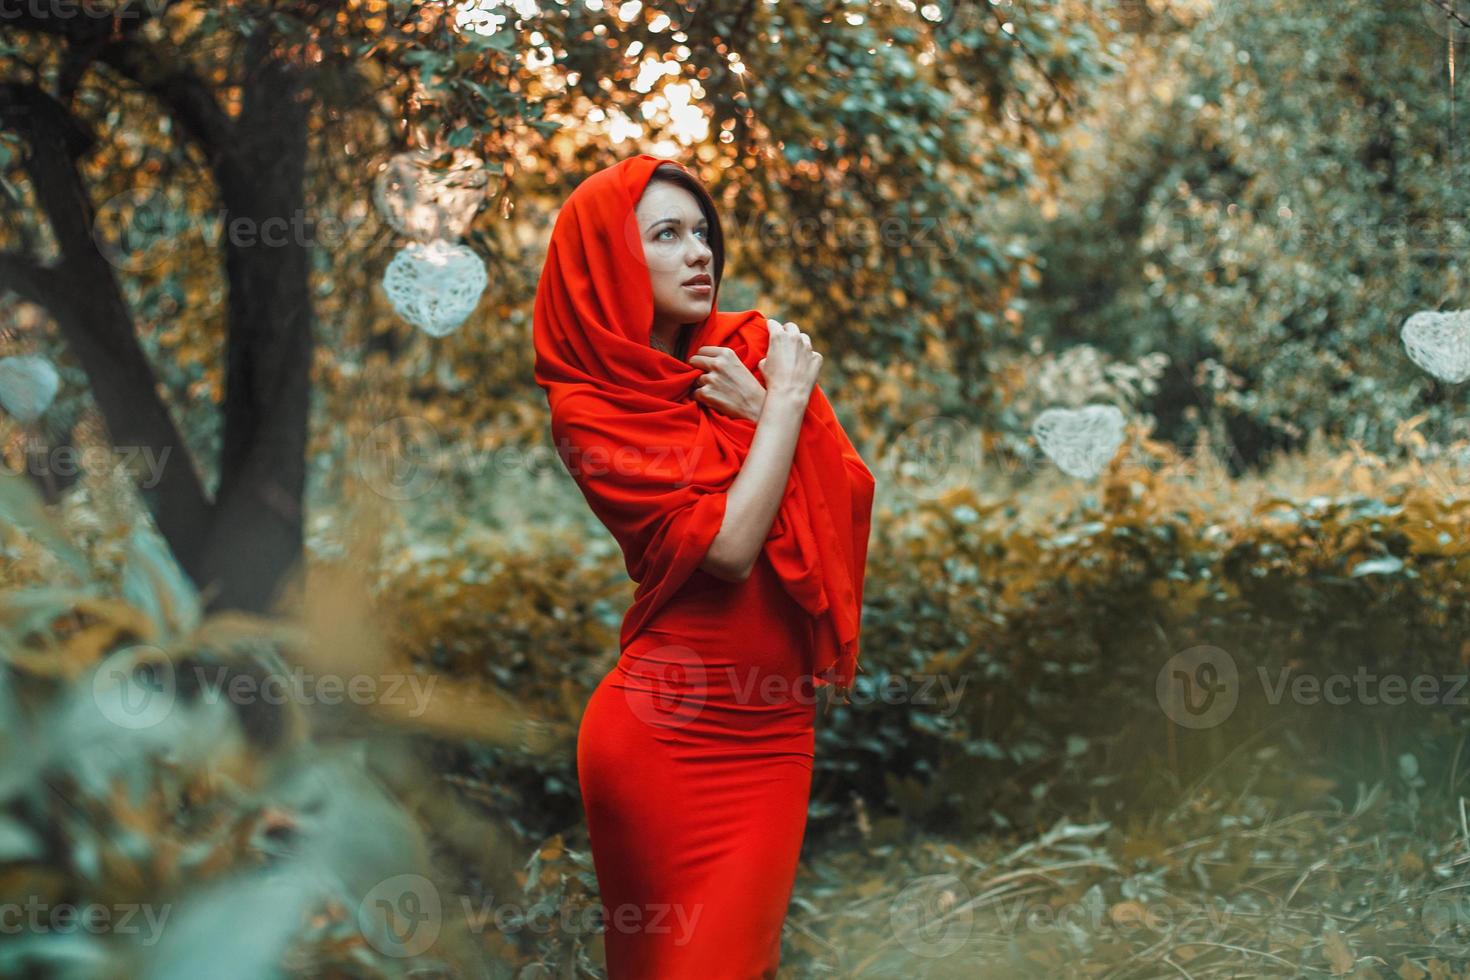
(135,230)
(401,916)
(931,917)
(1446,917)
(1448,18)
(1198,687)
(667,687)
(399,458)
(934,456)
(135,688)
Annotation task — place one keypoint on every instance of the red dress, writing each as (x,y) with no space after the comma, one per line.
(695,763)
(695,753)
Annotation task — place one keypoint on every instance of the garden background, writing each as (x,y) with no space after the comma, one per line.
(1190,707)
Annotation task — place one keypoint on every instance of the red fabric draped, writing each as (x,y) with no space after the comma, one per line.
(653,462)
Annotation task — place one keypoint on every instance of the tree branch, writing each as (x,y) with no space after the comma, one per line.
(95,320)
(28,279)
(160,71)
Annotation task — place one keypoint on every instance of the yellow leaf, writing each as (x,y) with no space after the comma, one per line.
(1131,915)
(1339,954)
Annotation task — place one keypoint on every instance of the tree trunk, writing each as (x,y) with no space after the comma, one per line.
(256,534)
(239,547)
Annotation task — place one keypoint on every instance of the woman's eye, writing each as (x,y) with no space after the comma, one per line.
(703,233)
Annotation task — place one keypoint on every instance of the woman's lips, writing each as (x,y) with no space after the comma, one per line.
(702,288)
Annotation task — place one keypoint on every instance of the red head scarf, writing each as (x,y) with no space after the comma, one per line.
(653,462)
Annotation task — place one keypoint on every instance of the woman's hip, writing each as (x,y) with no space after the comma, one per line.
(669,704)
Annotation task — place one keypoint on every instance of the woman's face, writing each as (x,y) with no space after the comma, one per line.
(676,245)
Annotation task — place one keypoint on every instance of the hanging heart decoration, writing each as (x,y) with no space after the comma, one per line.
(435,286)
(28,385)
(1439,343)
(1080,441)
(430,195)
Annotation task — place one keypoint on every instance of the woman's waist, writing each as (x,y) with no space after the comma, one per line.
(762,594)
(740,687)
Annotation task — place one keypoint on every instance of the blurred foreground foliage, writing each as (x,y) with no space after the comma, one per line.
(233,796)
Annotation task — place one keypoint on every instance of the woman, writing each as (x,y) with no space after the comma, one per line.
(742,511)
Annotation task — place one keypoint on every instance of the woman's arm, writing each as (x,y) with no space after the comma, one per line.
(755,494)
(790,368)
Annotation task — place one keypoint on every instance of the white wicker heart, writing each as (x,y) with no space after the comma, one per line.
(1080,441)
(1439,343)
(28,385)
(427,202)
(435,286)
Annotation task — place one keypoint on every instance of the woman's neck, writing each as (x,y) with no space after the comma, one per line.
(668,335)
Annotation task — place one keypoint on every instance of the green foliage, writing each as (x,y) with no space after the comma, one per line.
(1062,625)
(217,828)
(1011,652)
(540,626)
(1266,196)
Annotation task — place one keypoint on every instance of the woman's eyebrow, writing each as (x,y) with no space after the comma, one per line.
(677,221)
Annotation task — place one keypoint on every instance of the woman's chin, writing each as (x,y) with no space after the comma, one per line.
(686,310)
(695,312)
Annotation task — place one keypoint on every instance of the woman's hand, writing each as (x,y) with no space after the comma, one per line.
(727,384)
(790,365)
